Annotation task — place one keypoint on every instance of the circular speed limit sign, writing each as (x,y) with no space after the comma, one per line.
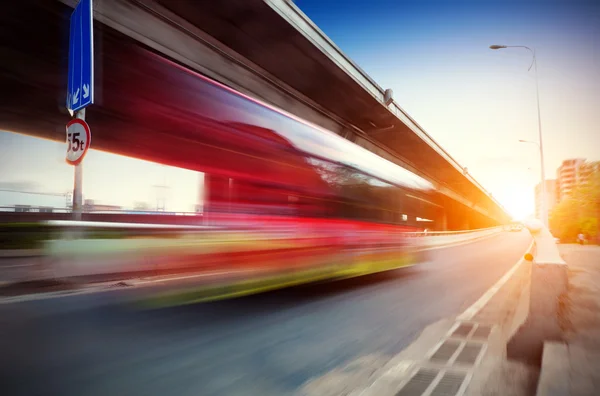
(78,140)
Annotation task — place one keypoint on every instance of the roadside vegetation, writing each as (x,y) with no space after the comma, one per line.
(578,213)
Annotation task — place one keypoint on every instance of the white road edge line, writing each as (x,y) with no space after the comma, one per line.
(470,312)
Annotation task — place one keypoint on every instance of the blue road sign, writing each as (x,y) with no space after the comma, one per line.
(80,89)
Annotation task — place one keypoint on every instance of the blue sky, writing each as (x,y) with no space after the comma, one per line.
(477,103)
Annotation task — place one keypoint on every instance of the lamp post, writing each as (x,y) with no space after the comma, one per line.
(543,200)
(544,211)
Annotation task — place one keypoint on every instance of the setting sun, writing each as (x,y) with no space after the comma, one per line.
(518,203)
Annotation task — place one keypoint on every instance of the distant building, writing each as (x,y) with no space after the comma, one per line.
(568,176)
(32,209)
(22,208)
(587,169)
(572,173)
(551,197)
(90,206)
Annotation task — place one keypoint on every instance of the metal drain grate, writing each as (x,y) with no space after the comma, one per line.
(463,330)
(451,364)
(482,332)
(450,384)
(469,354)
(445,351)
(419,382)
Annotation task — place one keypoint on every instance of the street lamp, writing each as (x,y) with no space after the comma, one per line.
(544,211)
(543,185)
(529,141)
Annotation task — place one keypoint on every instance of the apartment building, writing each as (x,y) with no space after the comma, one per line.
(568,176)
(587,169)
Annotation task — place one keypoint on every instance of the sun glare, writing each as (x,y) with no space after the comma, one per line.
(518,206)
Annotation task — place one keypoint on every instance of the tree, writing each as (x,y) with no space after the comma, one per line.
(564,220)
(580,211)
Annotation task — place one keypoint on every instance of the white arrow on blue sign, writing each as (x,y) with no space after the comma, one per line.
(80,89)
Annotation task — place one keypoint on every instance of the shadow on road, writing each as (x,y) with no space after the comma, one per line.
(287,298)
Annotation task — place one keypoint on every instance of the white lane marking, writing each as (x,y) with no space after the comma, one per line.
(470,312)
(167,279)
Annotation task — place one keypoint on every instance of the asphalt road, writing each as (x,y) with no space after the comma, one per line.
(268,344)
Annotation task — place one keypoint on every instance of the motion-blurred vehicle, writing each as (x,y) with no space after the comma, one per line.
(283,196)
(513,227)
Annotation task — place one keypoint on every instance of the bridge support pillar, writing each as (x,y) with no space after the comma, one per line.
(411,221)
(441,222)
(456,220)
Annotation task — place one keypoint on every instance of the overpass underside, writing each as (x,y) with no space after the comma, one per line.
(147,107)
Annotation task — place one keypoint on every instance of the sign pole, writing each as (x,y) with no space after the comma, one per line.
(80,94)
(78,181)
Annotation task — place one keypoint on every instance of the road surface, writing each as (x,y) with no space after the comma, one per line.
(268,344)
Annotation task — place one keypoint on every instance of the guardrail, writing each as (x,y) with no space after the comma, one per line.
(65,224)
(443,238)
(33,209)
(33,236)
(463,232)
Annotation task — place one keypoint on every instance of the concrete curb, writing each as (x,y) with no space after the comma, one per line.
(20,253)
(554,375)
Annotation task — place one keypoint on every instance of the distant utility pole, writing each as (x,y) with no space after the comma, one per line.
(161,193)
(161,197)
(69,200)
